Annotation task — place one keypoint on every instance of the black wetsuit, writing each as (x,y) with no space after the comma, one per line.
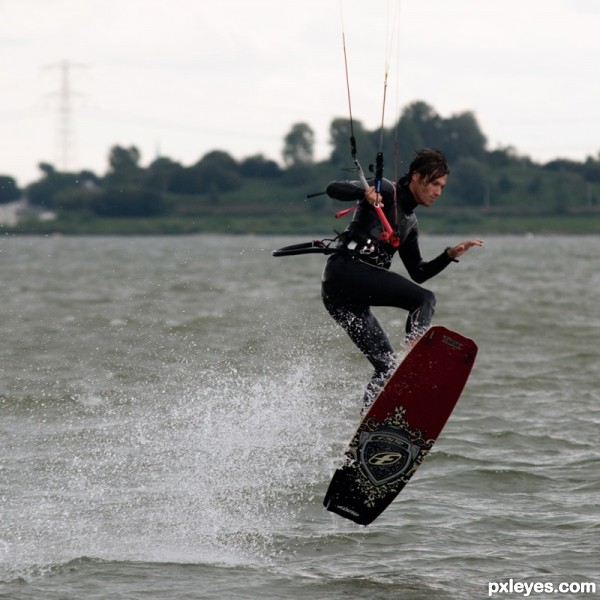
(355,281)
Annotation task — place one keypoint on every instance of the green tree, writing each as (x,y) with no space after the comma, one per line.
(127,202)
(470,183)
(298,147)
(77,195)
(405,142)
(220,169)
(340,133)
(124,166)
(160,173)
(534,186)
(216,172)
(9,190)
(591,169)
(564,164)
(258,166)
(75,200)
(426,121)
(43,192)
(460,136)
(183,180)
(502,157)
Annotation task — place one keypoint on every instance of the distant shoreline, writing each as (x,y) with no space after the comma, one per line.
(447,222)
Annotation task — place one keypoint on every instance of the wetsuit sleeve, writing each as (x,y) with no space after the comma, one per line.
(353,190)
(419,269)
(345,190)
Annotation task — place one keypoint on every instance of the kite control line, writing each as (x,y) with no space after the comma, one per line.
(387,235)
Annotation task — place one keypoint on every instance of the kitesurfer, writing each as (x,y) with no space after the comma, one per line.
(358,277)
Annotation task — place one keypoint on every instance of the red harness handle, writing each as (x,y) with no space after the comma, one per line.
(387,235)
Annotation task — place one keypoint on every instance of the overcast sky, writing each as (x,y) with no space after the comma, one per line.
(182,77)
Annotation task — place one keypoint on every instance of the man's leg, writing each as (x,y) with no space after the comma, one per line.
(365,331)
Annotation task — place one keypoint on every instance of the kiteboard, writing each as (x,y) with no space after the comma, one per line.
(401,425)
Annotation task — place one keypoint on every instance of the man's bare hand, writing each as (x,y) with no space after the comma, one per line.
(461,248)
(373,197)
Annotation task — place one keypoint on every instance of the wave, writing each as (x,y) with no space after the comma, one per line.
(97,579)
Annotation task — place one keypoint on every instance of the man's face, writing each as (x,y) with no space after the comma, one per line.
(426,192)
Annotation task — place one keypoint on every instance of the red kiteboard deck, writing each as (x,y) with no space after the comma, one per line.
(401,426)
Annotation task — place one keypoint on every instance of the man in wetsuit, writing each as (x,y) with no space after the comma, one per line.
(358,279)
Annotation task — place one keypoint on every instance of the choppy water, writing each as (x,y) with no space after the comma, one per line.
(172,410)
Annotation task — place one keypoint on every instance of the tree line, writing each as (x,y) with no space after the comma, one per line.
(498,179)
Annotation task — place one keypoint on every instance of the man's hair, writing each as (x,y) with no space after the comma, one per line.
(430,164)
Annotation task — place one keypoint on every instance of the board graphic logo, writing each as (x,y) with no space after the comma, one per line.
(386,454)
